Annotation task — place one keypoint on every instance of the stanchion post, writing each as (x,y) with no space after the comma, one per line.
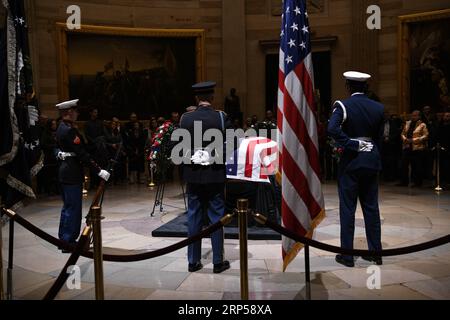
(2,292)
(242,208)
(96,217)
(151,184)
(438,169)
(9,279)
(307,274)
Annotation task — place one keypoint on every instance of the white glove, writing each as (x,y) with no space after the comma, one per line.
(201,157)
(364,146)
(61,155)
(104,174)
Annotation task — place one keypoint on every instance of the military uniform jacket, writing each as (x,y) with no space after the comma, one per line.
(210,119)
(71,169)
(357,117)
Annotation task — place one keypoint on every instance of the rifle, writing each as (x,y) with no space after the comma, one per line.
(98,198)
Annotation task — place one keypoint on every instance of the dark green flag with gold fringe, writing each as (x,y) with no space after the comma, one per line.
(20,154)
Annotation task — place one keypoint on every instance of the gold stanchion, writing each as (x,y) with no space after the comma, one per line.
(438,169)
(2,292)
(96,217)
(242,208)
(151,184)
(85,191)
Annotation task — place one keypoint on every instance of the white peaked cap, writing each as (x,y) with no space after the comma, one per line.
(357,76)
(67,104)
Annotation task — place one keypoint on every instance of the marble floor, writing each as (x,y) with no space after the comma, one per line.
(409,216)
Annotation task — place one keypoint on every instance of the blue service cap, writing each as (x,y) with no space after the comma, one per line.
(204,87)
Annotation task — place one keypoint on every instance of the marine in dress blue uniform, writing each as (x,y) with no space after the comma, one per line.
(205,183)
(73,156)
(356,125)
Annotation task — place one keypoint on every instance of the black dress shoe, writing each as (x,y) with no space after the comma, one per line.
(378,260)
(348,263)
(195,267)
(221,267)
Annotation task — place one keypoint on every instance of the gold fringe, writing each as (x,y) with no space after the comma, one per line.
(12,82)
(278,177)
(299,246)
(38,166)
(20,186)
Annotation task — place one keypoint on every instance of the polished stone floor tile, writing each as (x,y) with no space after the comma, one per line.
(389,274)
(437,289)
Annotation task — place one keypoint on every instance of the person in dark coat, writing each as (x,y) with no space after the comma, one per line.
(135,145)
(49,172)
(73,157)
(205,182)
(356,125)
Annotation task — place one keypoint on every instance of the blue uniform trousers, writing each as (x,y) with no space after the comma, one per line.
(362,183)
(209,197)
(70,223)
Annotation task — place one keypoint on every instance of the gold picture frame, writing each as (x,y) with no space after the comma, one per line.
(63,31)
(404,55)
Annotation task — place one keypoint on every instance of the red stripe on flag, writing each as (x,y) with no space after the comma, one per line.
(297,123)
(270,169)
(307,85)
(250,153)
(289,219)
(300,183)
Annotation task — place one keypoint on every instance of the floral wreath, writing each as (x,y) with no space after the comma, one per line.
(160,139)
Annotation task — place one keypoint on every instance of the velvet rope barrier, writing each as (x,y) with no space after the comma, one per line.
(119,258)
(326,247)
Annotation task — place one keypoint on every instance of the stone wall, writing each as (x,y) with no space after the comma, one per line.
(235,33)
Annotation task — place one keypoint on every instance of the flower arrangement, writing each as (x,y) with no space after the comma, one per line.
(159,144)
(336,149)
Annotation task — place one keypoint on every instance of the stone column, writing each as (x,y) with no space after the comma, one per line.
(234,66)
(364,41)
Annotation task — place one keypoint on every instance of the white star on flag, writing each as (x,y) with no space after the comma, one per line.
(289,59)
(282,33)
(294,26)
(287,10)
(303,45)
(297,11)
(291,43)
(305,29)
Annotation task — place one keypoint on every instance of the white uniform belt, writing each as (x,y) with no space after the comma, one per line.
(366,139)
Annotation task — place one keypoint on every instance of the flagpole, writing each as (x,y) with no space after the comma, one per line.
(242,208)
(9,279)
(307,273)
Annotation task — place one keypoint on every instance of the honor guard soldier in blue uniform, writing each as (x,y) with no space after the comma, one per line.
(205,181)
(356,125)
(73,156)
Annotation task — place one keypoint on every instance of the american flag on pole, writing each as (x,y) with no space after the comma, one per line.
(302,198)
(254,160)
